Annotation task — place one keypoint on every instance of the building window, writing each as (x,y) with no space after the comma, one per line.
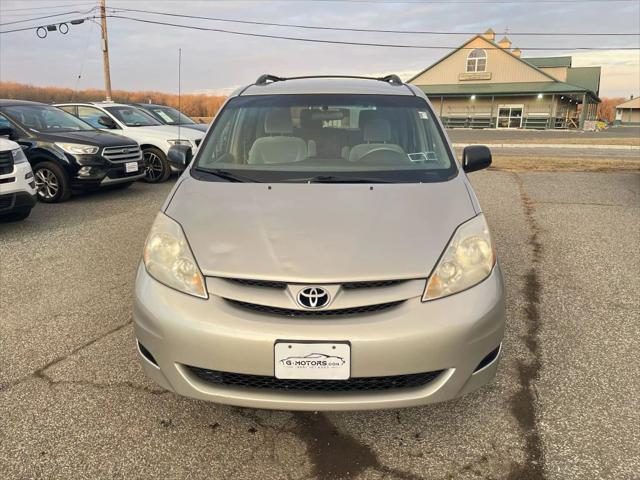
(477,61)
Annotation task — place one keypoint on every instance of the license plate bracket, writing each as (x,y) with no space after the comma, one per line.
(131,167)
(312,360)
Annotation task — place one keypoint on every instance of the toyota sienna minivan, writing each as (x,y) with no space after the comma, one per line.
(324,250)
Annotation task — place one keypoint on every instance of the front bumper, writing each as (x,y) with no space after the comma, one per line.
(9,202)
(99,172)
(453,334)
(17,189)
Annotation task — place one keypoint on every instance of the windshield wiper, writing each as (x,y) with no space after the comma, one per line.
(337,179)
(227,175)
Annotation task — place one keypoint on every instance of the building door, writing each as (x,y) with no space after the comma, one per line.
(510,116)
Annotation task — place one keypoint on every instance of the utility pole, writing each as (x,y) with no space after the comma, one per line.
(105,50)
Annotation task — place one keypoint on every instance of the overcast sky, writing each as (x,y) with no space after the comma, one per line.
(144,56)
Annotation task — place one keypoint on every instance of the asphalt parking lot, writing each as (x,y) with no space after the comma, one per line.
(74,402)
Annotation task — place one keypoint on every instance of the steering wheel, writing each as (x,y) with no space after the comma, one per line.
(384,155)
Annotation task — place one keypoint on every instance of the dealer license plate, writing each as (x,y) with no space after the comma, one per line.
(130,167)
(312,360)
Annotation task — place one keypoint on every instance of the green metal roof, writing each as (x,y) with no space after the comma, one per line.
(462,89)
(585,77)
(542,62)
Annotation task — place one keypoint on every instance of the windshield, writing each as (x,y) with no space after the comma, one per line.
(132,117)
(42,118)
(326,138)
(170,116)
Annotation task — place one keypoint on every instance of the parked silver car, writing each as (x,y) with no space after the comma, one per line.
(323,251)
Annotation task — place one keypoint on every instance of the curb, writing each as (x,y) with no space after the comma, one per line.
(575,146)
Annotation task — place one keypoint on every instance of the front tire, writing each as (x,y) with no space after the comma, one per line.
(156,165)
(52,183)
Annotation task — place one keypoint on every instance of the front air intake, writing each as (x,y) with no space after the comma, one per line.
(147,354)
(488,359)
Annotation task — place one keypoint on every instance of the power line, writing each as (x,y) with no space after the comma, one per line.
(47,16)
(323,41)
(50,7)
(35,27)
(368,30)
(341,42)
(418,2)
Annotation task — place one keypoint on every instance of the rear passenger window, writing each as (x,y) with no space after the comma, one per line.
(91,116)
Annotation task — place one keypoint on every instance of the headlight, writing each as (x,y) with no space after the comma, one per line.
(467,260)
(168,258)
(179,142)
(78,148)
(18,156)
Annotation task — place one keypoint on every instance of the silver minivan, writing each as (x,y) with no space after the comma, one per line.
(324,250)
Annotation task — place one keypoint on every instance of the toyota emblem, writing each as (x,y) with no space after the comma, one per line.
(313,297)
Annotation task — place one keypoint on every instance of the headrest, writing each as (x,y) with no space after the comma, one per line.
(377,130)
(366,116)
(278,122)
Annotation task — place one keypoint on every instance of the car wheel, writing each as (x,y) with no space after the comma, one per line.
(16,215)
(52,183)
(156,165)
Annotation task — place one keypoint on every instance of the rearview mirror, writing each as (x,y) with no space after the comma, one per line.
(107,122)
(179,156)
(475,157)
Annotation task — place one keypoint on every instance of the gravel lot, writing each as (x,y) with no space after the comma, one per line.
(74,402)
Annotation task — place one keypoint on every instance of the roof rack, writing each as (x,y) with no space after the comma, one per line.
(268,78)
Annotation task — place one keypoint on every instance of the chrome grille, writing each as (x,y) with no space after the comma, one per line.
(258,283)
(122,153)
(346,285)
(374,284)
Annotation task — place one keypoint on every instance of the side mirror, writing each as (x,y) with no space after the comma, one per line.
(179,156)
(7,132)
(475,157)
(107,122)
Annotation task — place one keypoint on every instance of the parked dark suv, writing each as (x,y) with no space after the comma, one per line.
(170,116)
(67,154)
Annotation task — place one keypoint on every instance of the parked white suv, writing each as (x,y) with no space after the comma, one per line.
(17,185)
(154,138)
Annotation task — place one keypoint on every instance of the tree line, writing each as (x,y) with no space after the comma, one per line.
(194,105)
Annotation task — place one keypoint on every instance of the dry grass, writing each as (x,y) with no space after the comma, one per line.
(575,140)
(564,164)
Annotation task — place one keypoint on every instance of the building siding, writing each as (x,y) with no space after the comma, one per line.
(544,95)
(628,116)
(503,68)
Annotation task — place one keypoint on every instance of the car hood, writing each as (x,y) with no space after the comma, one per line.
(90,137)
(319,233)
(167,132)
(201,127)
(6,144)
